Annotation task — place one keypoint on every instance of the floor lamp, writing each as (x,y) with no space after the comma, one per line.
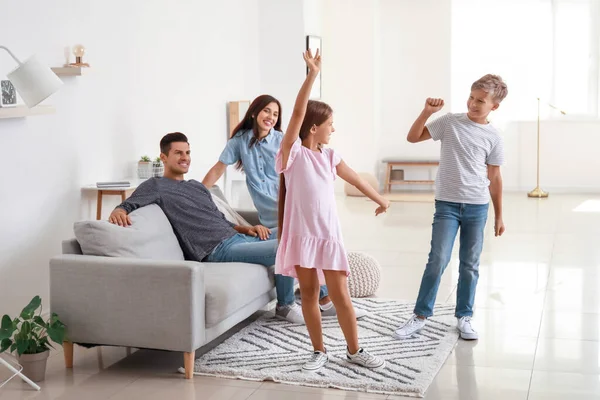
(35,82)
(538,192)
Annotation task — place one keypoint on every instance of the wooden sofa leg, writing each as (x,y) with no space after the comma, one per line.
(68,351)
(188,362)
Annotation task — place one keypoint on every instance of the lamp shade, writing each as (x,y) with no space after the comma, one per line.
(34,81)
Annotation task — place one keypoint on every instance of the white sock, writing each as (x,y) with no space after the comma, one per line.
(326,306)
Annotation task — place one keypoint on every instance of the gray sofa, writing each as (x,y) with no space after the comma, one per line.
(166,304)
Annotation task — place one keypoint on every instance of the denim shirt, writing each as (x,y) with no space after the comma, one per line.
(259,167)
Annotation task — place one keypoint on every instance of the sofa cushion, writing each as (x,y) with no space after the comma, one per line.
(149,236)
(230,286)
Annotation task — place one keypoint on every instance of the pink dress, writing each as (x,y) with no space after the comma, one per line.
(311,235)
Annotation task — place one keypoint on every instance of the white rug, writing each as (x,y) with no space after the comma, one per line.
(272,349)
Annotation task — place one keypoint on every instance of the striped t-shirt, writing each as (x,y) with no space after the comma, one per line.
(467,149)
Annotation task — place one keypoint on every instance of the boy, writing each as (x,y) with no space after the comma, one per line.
(471,155)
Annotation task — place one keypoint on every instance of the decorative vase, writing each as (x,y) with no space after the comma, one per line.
(145,169)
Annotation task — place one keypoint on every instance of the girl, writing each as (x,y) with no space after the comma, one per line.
(252,146)
(310,247)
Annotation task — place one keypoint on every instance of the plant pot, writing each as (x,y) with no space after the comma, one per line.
(158,169)
(145,169)
(34,365)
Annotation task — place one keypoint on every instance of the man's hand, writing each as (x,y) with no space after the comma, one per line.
(261,231)
(119,217)
(433,105)
(499,227)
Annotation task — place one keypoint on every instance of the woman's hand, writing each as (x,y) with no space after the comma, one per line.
(261,231)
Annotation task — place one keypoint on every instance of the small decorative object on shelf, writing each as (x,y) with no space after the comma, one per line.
(145,168)
(8,97)
(79,52)
(158,169)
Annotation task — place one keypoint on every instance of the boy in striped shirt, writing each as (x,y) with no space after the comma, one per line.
(469,174)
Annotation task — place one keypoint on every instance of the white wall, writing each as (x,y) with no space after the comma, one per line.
(156,68)
(568,156)
(350,79)
(415,64)
(382,59)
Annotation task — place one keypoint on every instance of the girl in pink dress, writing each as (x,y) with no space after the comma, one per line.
(311,247)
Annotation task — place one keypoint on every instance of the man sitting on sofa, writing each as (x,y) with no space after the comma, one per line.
(202,230)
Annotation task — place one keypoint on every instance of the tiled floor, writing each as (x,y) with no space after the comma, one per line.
(538,306)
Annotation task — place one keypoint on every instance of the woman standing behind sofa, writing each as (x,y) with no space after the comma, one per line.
(252,146)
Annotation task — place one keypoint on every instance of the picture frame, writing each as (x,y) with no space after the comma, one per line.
(8,94)
(313,43)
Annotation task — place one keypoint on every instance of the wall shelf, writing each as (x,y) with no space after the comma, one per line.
(24,111)
(68,71)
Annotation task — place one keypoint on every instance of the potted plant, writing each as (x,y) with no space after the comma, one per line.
(158,169)
(29,336)
(144,168)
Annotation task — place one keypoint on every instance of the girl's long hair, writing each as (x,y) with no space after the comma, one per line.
(249,121)
(317,113)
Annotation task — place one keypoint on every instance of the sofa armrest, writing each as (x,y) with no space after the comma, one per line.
(249,215)
(129,301)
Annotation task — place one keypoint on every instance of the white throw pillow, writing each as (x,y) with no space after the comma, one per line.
(230,214)
(150,236)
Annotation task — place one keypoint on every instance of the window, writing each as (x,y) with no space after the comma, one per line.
(541,48)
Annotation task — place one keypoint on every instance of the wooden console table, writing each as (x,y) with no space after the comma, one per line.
(398,163)
(124,192)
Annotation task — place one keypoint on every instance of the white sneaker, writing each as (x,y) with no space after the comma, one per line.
(316,362)
(466,329)
(365,359)
(413,325)
(291,313)
(331,312)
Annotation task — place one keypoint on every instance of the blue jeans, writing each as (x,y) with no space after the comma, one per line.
(249,249)
(471,219)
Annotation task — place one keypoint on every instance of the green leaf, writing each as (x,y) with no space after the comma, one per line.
(22,345)
(29,310)
(26,329)
(6,328)
(39,321)
(33,347)
(56,332)
(5,344)
(13,347)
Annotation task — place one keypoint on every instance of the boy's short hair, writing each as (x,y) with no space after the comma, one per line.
(492,84)
(165,143)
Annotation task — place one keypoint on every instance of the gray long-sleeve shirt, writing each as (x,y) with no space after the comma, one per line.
(196,220)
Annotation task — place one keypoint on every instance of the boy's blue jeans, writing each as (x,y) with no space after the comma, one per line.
(249,249)
(471,219)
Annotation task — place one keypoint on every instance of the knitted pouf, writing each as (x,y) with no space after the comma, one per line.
(365,274)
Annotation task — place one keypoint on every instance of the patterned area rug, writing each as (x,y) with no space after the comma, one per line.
(272,349)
